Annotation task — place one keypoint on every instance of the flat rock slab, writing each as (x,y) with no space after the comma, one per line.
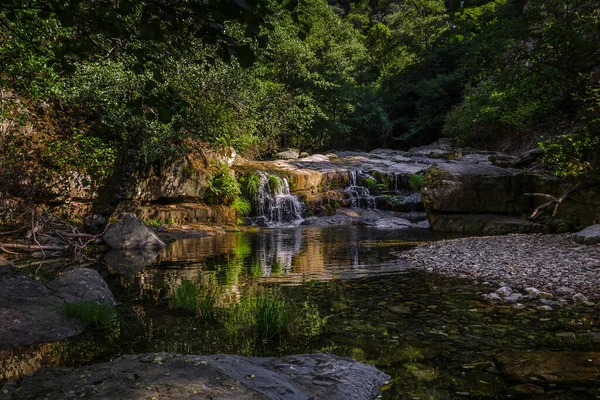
(176,376)
(560,368)
(589,235)
(82,285)
(131,233)
(30,313)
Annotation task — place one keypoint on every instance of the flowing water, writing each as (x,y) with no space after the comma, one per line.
(274,204)
(347,294)
(359,196)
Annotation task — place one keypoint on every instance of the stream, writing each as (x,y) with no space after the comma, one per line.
(347,294)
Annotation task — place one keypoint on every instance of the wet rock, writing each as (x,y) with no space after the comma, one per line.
(82,285)
(545,308)
(504,291)
(493,297)
(172,376)
(538,294)
(514,297)
(527,158)
(524,391)
(560,368)
(581,299)
(131,233)
(589,235)
(30,313)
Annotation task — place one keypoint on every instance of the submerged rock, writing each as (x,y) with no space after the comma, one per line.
(560,368)
(131,233)
(128,262)
(82,285)
(175,376)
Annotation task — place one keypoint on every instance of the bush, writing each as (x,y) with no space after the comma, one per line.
(222,187)
(415,182)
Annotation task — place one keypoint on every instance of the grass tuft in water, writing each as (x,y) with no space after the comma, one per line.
(195,298)
(92,314)
(265,312)
(274,183)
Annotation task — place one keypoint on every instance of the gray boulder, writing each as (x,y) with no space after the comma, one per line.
(30,313)
(176,376)
(290,154)
(82,285)
(131,233)
(589,235)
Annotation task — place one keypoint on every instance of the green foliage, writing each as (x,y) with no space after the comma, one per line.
(274,183)
(250,184)
(415,182)
(195,298)
(153,222)
(566,154)
(241,206)
(222,187)
(268,313)
(369,183)
(92,314)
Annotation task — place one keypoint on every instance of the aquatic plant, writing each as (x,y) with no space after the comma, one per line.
(195,298)
(93,314)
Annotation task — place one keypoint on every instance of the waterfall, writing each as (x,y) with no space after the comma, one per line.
(359,195)
(274,203)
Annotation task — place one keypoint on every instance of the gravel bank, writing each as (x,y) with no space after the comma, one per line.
(553,264)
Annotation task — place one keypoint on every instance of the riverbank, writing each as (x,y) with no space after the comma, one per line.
(560,270)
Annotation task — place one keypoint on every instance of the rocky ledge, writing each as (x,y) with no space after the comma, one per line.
(548,269)
(176,376)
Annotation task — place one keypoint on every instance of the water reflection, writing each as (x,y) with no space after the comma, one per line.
(432,335)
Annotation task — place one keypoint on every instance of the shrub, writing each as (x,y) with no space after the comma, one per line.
(241,206)
(222,187)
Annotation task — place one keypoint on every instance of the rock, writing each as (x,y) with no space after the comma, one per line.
(533,292)
(504,291)
(545,308)
(589,235)
(514,297)
(560,368)
(30,313)
(5,263)
(131,233)
(128,262)
(290,154)
(82,285)
(524,390)
(493,297)
(579,298)
(176,376)
(527,158)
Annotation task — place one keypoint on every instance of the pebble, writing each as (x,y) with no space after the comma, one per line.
(549,266)
(504,291)
(580,298)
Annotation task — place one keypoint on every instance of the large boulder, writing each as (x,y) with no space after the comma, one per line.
(30,313)
(558,368)
(81,285)
(131,233)
(176,376)
(589,235)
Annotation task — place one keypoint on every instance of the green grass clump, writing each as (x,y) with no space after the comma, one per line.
(370,183)
(273,316)
(274,182)
(194,298)
(241,206)
(267,314)
(92,314)
(250,184)
(415,182)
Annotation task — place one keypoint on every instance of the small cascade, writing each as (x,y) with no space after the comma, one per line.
(274,203)
(360,196)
